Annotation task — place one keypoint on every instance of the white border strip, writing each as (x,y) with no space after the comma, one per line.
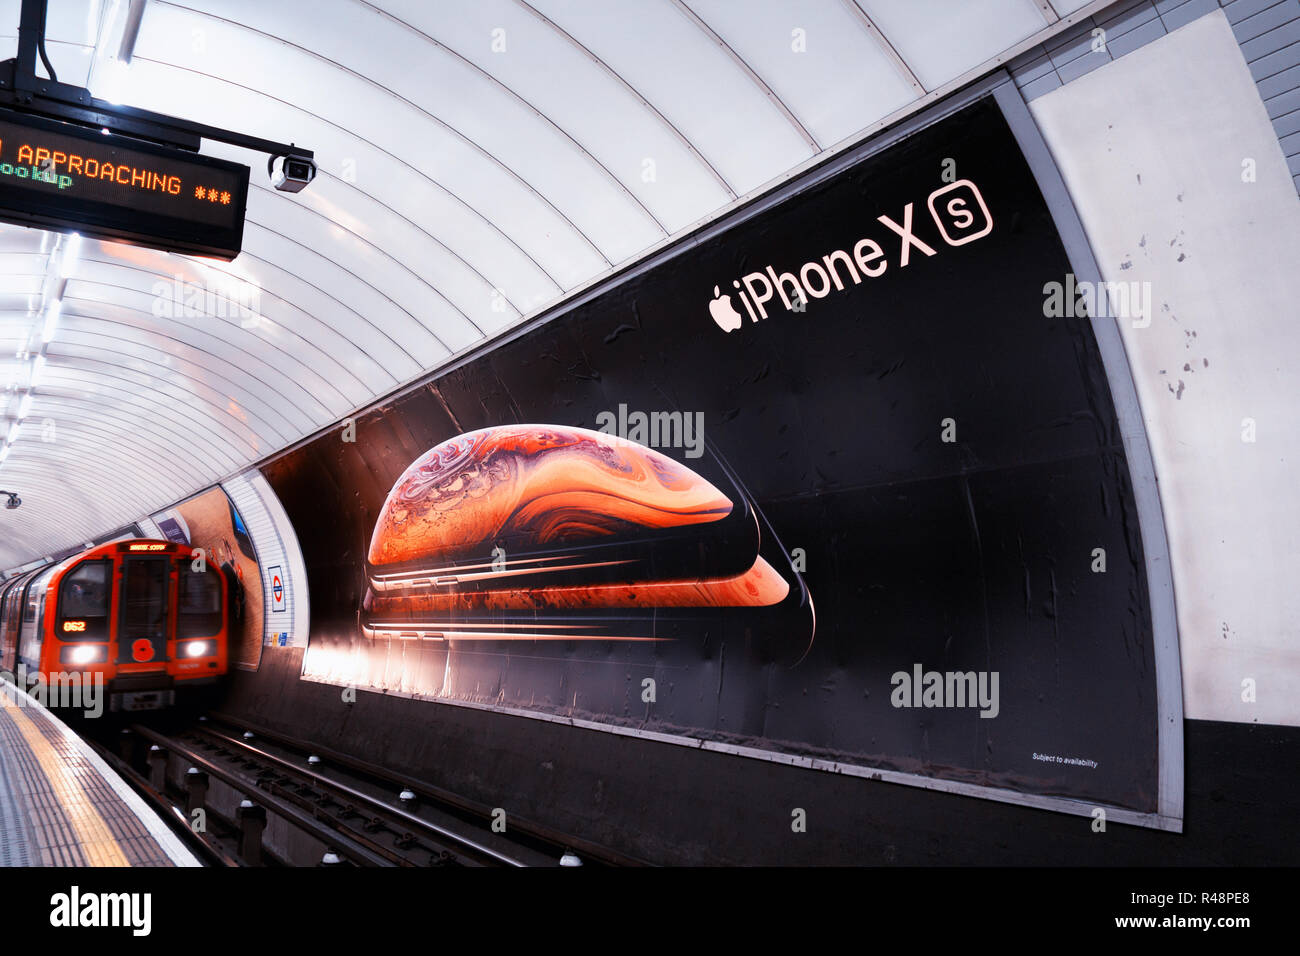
(176,851)
(1137,451)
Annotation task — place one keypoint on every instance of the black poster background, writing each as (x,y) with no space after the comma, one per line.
(970,555)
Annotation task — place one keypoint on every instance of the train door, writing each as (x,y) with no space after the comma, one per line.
(31,627)
(8,634)
(143,603)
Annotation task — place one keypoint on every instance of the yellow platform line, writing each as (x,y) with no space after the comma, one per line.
(97,841)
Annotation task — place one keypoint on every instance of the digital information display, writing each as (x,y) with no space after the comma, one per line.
(70,178)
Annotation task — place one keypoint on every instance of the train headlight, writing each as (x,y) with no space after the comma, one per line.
(199,648)
(82,654)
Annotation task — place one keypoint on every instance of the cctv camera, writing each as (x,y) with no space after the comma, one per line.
(13,502)
(291,173)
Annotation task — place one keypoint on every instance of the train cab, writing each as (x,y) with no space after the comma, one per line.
(143,618)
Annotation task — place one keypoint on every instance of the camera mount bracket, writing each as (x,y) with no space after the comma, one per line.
(23,90)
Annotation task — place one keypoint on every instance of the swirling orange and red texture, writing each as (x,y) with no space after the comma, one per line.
(535,485)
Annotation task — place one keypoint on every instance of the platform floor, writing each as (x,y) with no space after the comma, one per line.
(61,805)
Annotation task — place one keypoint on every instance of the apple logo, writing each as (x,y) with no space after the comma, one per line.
(724,313)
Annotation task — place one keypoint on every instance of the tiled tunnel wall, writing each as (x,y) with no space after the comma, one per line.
(1268,32)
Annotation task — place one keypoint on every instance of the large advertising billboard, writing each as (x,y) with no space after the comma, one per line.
(832,481)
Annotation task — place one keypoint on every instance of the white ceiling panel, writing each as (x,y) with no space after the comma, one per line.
(605,119)
(691,80)
(527,174)
(802,51)
(940,40)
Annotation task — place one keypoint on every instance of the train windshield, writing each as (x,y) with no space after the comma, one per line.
(198,602)
(83,602)
(144,598)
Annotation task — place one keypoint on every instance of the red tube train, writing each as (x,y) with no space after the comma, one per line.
(136,614)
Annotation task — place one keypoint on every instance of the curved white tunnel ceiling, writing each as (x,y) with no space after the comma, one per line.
(479,160)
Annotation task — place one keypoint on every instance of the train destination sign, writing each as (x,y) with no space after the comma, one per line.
(70,178)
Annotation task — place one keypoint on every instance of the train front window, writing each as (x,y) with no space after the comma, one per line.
(144,598)
(83,602)
(198,602)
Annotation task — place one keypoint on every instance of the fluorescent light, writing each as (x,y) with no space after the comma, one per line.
(38,366)
(52,319)
(13,433)
(25,406)
(71,252)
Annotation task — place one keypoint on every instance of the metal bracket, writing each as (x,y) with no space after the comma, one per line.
(22,89)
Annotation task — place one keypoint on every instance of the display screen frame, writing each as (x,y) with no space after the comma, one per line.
(24,206)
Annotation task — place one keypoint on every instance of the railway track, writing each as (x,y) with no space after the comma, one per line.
(319,806)
(213,846)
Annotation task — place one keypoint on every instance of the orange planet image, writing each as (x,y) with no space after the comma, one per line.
(535,485)
(488,532)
